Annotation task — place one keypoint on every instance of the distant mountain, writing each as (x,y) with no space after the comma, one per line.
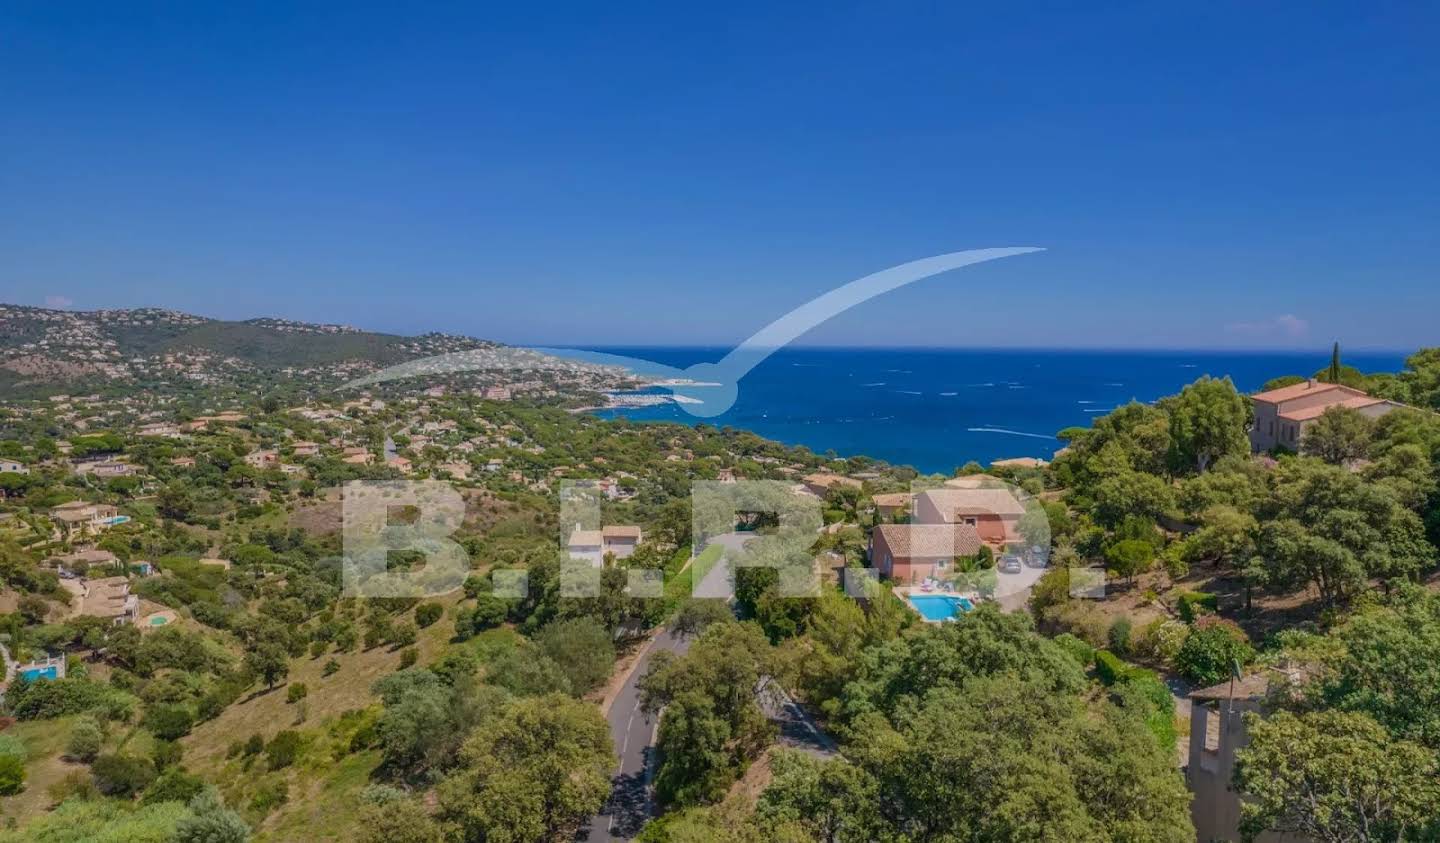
(42,350)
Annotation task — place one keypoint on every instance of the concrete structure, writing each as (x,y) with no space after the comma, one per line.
(1217,732)
(1282,415)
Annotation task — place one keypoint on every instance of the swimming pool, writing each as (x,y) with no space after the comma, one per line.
(30,674)
(940,607)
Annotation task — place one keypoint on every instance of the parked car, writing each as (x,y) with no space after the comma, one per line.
(1037,556)
(1011,564)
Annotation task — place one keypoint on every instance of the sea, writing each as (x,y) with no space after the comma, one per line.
(937,409)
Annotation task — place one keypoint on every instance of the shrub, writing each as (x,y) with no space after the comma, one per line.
(122,775)
(1119,636)
(1083,619)
(296,692)
(331,668)
(402,634)
(1082,652)
(427,614)
(12,775)
(169,722)
(1210,650)
(1192,604)
(270,796)
(282,749)
(1144,689)
(209,821)
(76,785)
(11,745)
(44,699)
(408,657)
(1109,667)
(1160,640)
(173,785)
(254,746)
(166,754)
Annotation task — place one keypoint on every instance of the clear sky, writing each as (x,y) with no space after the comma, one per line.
(1233,175)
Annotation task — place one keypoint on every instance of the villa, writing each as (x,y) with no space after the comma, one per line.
(79,517)
(893,504)
(593,545)
(820,483)
(262,460)
(306,449)
(992,510)
(109,599)
(911,553)
(82,560)
(1282,415)
(13,467)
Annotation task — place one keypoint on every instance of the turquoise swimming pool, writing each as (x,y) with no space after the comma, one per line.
(940,607)
(30,674)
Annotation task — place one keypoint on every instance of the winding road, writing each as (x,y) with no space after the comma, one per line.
(634,731)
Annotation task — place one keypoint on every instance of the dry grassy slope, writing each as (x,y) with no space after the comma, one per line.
(323,794)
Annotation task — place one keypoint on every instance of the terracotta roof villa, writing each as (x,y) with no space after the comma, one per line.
(110,599)
(1281,415)
(909,553)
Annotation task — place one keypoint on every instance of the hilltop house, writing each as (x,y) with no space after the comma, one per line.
(80,518)
(306,449)
(1282,415)
(909,553)
(593,545)
(81,560)
(109,599)
(888,506)
(992,510)
(261,460)
(820,483)
(13,467)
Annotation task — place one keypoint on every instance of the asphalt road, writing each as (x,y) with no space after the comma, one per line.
(633,731)
(631,802)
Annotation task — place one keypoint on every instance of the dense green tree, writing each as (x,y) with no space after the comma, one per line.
(1334,776)
(531,772)
(697,764)
(583,650)
(268,661)
(397,821)
(1208,420)
(1339,435)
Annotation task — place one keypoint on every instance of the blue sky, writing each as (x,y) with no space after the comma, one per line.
(1236,175)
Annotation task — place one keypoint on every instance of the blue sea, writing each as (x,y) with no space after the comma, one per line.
(936,409)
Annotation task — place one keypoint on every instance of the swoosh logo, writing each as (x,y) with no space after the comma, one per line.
(706,390)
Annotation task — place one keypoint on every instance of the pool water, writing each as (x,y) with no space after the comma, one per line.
(939,607)
(34,673)
(159,620)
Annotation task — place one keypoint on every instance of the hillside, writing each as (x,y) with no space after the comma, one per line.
(45,351)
